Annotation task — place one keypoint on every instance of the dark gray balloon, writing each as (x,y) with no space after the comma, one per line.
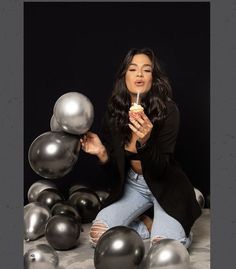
(36,216)
(62,232)
(49,197)
(41,256)
(76,188)
(53,155)
(118,248)
(54,125)
(87,203)
(103,195)
(200,198)
(74,112)
(38,187)
(168,254)
(66,209)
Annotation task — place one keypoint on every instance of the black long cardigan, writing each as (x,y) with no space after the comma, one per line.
(164,176)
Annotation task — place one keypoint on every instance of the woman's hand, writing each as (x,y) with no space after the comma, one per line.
(92,144)
(141,126)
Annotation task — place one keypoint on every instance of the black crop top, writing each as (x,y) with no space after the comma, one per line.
(132,155)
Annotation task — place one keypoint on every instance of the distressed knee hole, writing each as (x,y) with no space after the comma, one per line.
(96,231)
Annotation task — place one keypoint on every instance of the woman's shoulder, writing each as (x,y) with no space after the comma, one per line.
(171,106)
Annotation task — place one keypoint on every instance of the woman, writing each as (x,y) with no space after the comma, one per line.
(137,154)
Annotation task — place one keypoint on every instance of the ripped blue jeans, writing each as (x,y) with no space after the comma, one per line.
(137,198)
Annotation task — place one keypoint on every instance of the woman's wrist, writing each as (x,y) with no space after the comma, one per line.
(102,154)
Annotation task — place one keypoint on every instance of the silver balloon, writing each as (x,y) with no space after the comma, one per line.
(41,256)
(38,187)
(119,247)
(74,112)
(53,155)
(200,198)
(54,125)
(168,254)
(36,216)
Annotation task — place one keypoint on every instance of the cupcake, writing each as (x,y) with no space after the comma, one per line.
(135,108)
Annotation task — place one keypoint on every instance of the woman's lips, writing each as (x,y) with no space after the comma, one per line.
(139,83)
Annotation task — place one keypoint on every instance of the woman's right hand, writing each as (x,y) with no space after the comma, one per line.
(92,144)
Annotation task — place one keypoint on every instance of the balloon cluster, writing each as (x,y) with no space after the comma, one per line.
(118,246)
(49,214)
(48,210)
(53,154)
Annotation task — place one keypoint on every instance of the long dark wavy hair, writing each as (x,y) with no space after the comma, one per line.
(154,101)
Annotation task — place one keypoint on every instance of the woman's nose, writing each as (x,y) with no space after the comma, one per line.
(139,74)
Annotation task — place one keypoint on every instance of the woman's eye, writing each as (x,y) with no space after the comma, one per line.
(132,69)
(147,70)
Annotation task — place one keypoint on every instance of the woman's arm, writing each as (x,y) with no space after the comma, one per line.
(92,144)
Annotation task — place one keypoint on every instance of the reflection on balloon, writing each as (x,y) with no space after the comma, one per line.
(74,112)
(87,203)
(41,256)
(62,232)
(77,187)
(36,216)
(49,197)
(53,155)
(119,247)
(54,125)
(200,198)
(38,187)
(166,254)
(66,209)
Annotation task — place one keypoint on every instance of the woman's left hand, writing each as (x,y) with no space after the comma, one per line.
(141,126)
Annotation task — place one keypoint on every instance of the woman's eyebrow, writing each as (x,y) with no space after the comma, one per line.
(143,64)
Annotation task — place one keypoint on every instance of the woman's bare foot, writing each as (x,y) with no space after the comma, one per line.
(147,221)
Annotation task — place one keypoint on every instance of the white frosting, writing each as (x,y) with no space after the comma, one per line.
(136,107)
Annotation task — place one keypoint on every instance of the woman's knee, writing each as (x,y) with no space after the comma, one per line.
(156,239)
(97,230)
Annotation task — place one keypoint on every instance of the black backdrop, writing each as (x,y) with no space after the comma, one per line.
(73,46)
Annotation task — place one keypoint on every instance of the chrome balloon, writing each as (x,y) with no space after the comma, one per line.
(50,197)
(87,203)
(66,209)
(54,125)
(36,216)
(38,187)
(62,232)
(200,198)
(119,247)
(74,112)
(53,155)
(41,256)
(167,254)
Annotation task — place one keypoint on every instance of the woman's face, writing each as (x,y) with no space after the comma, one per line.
(138,77)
